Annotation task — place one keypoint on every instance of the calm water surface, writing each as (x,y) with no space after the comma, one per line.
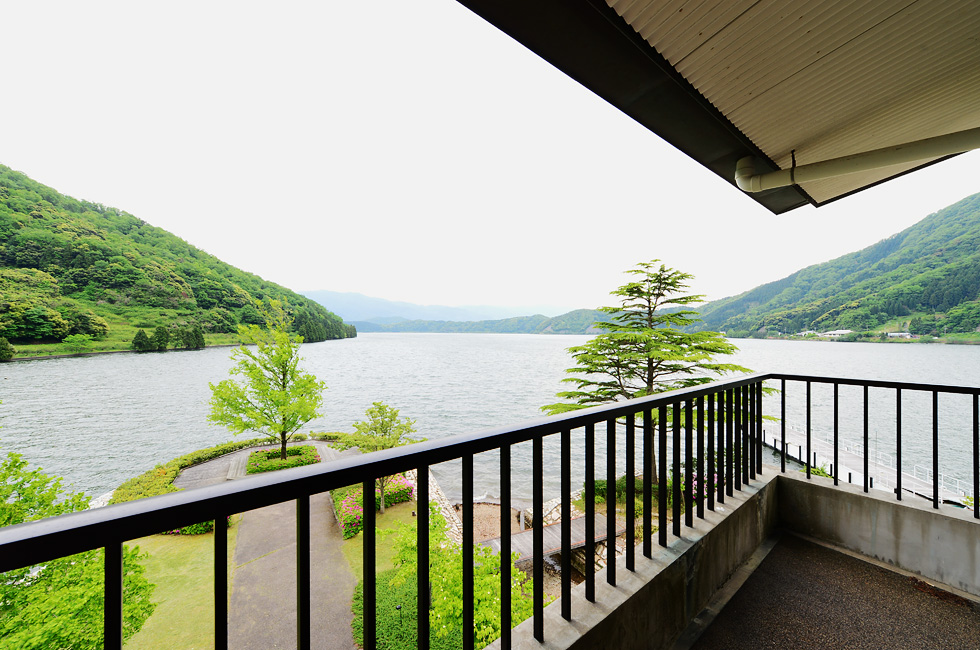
(100,420)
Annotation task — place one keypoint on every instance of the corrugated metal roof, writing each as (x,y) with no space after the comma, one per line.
(828,78)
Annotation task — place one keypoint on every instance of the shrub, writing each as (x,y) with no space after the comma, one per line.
(350,511)
(270,461)
(197,529)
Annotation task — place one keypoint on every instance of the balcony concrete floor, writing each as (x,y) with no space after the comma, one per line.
(807,596)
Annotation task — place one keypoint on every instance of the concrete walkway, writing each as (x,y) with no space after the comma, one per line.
(262,611)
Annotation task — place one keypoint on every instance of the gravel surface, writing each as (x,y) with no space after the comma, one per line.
(806,596)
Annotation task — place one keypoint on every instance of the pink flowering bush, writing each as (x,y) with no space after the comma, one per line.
(350,510)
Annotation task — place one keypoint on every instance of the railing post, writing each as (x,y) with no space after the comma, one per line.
(537,462)
(711,467)
(566,527)
(758,428)
(935,449)
(422,556)
(221,582)
(808,430)
(303,570)
(699,469)
(369,555)
(662,477)
(611,501)
(630,493)
(782,425)
(468,596)
(688,464)
(836,434)
(589,550)
(898,443)
(748,396)
(866,450)
(648,449)
(721,464)
(676,466)
(976,456)
(113,590)
(734,477)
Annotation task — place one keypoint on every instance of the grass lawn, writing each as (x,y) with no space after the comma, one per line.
(182,568)
(353,547)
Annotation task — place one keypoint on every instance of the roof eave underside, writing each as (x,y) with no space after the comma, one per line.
(593,44)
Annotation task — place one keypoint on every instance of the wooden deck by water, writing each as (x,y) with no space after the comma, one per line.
(523,542)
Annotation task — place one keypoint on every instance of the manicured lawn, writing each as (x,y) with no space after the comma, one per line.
(354,547)
(182,568)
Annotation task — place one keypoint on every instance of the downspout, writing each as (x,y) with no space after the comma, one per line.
(943,145)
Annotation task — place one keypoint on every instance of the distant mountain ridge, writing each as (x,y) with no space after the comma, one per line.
(929,273)
(579,321)
(359,307)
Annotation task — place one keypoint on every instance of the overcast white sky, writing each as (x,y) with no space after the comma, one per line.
(401,149)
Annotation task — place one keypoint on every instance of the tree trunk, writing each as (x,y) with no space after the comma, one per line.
(381,484)
(282,449)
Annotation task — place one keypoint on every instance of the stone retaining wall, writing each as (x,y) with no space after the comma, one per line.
(454,527)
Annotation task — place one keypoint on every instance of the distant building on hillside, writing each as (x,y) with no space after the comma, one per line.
(836,334)
(899,335)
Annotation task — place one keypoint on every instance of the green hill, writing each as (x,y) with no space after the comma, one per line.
(579,321)
(926,277)
(74,267)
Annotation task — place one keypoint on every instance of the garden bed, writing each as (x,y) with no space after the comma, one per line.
(269,460)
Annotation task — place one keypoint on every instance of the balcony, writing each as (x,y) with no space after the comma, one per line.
(678,562)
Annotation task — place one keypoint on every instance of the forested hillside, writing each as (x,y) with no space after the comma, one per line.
(73,267)
(928,275)
(579,321)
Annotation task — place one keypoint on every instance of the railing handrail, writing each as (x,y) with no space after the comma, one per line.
(40,541)
(876,383)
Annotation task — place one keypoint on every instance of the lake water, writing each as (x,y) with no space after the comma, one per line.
(99,420)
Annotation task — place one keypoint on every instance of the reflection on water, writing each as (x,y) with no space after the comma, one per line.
(100,420)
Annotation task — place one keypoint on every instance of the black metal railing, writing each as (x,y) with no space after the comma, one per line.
(901,391)
(712,434)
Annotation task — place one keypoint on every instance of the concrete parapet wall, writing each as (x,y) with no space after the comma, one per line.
(942,545)
(649,608)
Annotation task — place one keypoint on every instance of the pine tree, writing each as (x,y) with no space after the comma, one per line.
(141,342)
(161,338)
(642,349)
(6,350)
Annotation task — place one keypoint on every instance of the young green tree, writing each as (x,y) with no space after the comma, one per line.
(382,429)
(275,397)
(59,604)
(642,349)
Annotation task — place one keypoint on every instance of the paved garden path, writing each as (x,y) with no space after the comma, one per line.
(262,612)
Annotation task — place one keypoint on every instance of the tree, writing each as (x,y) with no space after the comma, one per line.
(161,338)
(276,397)
(382,430)
(6,350)
(59,604)
(642,349)
(142,343)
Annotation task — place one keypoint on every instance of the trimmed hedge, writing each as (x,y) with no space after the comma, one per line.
(270,461)
(350,511)
(159,480)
